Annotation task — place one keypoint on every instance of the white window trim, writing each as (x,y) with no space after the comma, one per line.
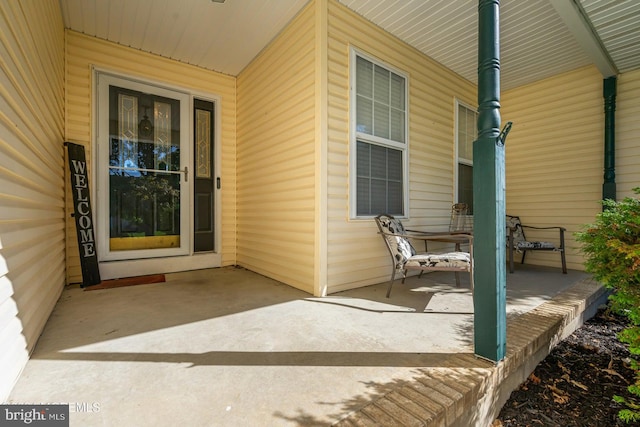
(456,159)
(354,136)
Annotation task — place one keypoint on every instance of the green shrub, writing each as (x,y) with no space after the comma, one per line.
(612,254)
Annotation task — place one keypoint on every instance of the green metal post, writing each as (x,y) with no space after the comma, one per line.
(490,325)
(609,94)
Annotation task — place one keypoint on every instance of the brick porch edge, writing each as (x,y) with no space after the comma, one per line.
(463,390)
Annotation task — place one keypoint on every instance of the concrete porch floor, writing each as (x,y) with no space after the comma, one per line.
(228,347)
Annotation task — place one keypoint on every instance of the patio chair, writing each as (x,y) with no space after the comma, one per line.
(404,257)
(517,241)
(461,221)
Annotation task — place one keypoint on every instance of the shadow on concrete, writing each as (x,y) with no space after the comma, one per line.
(374,391)
(275,358)
(231,345)
(381,399)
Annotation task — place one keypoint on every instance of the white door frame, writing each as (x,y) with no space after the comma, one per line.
(111,267)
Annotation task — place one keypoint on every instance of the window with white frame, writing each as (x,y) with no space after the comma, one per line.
(379,138)
(466,133)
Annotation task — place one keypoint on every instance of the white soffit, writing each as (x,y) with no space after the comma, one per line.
(617,24)
(538,38)
(223,37)
(535,43)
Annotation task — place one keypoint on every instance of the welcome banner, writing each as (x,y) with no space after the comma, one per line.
(83,215)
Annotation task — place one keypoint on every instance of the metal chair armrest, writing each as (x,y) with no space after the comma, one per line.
(542,228)
(428,233)
(457,238)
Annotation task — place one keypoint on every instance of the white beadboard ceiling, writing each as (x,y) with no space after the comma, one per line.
(617,24)
(538,38)
(223,37)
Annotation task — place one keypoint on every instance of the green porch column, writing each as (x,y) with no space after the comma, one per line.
(489,300)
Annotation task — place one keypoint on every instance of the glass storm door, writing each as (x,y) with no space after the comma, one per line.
(143,153)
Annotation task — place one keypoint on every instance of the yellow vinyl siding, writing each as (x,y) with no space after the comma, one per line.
(276,157)
(84,52)
(356,254)
(554,156)
(628,134)
(32,261)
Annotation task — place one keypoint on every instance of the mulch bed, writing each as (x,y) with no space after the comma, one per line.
(575,384)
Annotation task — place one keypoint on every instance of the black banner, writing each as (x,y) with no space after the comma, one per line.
(83,215)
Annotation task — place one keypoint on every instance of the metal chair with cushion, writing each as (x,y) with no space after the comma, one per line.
(404,257)
(517,241)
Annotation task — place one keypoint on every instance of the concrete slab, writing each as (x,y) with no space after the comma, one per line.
(228,347)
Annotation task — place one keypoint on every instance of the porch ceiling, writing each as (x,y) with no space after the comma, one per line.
(539,38)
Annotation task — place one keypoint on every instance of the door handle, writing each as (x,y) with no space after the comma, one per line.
(186,174)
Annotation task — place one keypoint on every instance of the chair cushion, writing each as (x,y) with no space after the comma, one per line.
(460,260)
(520,243)
(524,245)
(513,222)
(391,225)
(399,246)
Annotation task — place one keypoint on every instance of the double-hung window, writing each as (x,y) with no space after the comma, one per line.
(466,133)
(379,148)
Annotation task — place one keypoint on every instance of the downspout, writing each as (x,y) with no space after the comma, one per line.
(609,94)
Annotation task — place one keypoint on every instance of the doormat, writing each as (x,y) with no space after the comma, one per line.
(127,281)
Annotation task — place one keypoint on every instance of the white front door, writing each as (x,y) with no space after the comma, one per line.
(143,144)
